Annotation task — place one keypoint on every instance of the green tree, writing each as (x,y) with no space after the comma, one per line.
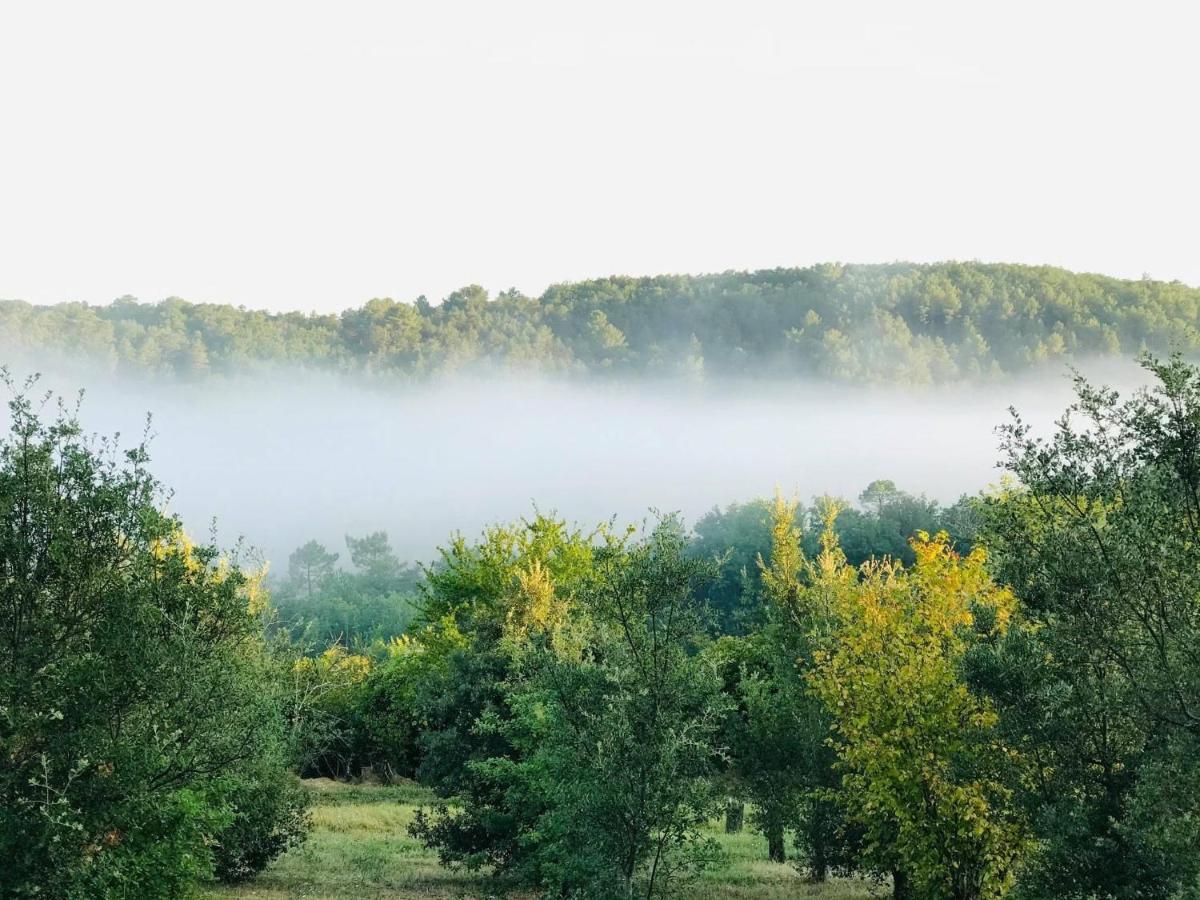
(879,494)
(618,718)
(471,599)
(734,538)
(800,785)
(325,695)
(139,724)
(601,726)
(320,607)
(309,566)
(764,738)
(373,556)
(397,694)
(885,523)
(1098,533)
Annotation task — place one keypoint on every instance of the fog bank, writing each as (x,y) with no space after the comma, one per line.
(289,457)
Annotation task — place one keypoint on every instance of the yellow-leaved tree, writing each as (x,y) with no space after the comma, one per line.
(925,774)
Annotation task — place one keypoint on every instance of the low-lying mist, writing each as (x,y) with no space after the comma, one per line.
(283,458)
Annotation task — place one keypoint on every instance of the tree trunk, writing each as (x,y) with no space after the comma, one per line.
(775,848)
(900,888)
(735,814)
(818,872)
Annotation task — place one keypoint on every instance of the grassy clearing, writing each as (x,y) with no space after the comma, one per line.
(360,848)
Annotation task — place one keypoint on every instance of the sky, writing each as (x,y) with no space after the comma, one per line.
(293,155)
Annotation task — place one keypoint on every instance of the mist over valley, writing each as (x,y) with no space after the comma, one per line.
(286,456)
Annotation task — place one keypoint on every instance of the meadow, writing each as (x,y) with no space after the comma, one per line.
(359,847)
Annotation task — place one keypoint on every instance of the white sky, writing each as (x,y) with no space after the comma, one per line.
(311,156)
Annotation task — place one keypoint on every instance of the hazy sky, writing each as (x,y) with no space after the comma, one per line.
(301,155)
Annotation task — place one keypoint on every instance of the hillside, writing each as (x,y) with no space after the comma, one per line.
(916,324)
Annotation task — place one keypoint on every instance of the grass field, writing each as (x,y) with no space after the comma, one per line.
(359,848)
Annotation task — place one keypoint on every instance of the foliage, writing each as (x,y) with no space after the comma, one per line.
(1099,536)
(580,703)
(309,565)
(325,694)
(477,585)
(896,323)
(363,609)
(764,739)
(797,623)
(391,706)
(619,730)
(777,733)
(602,727)
(474,604)
(925,772)
(269,816)
(734,538)
(882,524)
(132,677)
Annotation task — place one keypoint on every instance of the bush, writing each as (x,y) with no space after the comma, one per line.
(269,815)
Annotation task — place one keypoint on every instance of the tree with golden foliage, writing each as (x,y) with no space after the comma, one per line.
(923,770)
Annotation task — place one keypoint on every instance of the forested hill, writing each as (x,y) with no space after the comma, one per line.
(901,322)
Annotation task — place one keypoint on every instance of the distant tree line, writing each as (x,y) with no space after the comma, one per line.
(915,324)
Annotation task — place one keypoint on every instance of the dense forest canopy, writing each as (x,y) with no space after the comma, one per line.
(918,324)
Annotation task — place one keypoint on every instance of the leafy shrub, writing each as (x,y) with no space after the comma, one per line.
(269,816)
